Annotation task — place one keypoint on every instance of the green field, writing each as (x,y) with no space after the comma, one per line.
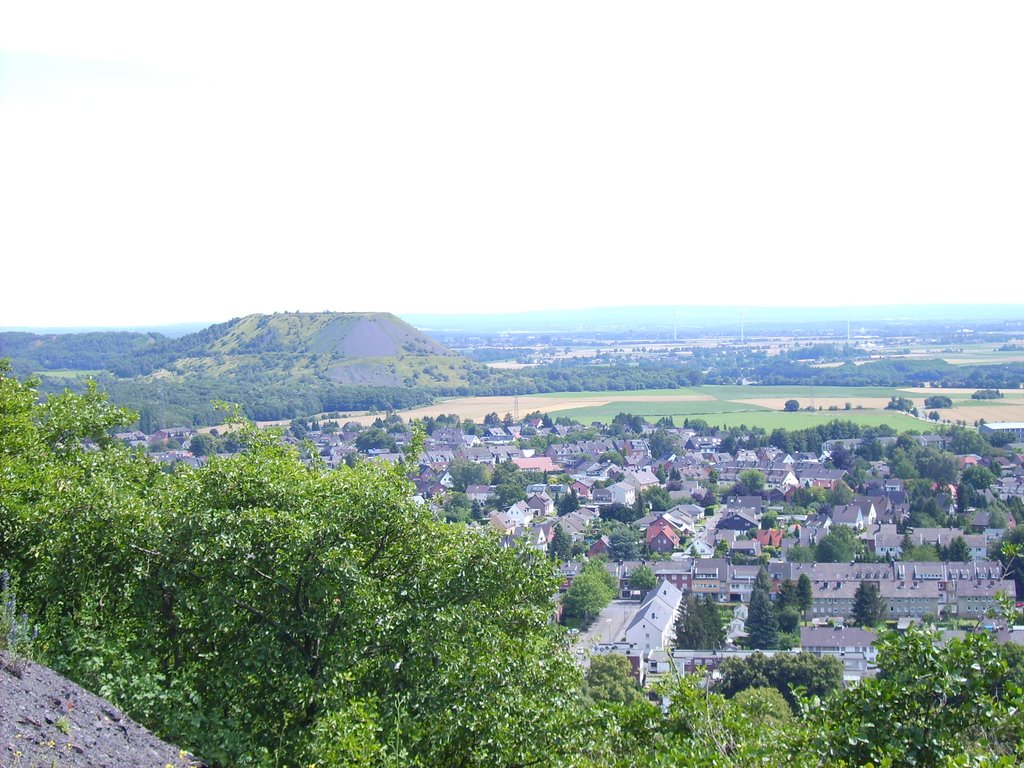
(726,414)
(654,409)
(71,374)
(727,410)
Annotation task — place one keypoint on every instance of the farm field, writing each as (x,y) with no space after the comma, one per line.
(968,354)
(733,414)
(718,405)
(72,375)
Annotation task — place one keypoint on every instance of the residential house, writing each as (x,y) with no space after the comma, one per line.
(623,493)
(856,516)
(739,520)
(740,582)
(816,476)
(700,548)
(479,493)
(519,514)
(541,504)
(749,548)
(653,626)
(641,479)
(661,536)
(678,572)
(583,488)
(536,464)
(710,577)
(602,546)
(974,597)
(855,648)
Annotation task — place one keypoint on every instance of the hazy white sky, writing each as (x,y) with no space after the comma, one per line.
(202,160)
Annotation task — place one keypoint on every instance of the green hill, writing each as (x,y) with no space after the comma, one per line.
(276,366)
(372,349)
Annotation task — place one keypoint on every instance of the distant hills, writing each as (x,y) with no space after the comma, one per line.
(286,365)
(277,366)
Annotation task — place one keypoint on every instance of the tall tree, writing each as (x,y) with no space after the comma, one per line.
(750,482)
(560,545)
(590,592)
(805,593)
(788,595)
(568,502)
(839,546)
(699,625)
(868,605)
(624,543)
(958,552)
(762,626)
(763,580)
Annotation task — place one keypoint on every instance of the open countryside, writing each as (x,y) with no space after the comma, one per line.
(729,406)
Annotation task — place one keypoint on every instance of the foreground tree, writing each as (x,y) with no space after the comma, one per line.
(929,705)
(610,678)
(260,611)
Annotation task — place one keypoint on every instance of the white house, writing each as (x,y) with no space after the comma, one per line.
(623,493)
(653,627)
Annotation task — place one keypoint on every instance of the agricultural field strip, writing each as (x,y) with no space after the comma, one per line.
(731,402)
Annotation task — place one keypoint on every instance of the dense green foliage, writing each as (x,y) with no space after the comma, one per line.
(239,608)
(762,623)
(785,672)
(868,605)
(259,611)
(610,678)
(699,625)
(591,590)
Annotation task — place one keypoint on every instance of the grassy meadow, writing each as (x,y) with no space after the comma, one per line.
(750,406)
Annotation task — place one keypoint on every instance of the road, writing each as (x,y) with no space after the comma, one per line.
(611,624)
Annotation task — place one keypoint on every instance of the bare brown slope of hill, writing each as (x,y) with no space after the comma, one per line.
(46,721)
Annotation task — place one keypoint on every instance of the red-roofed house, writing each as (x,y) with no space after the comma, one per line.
(536,464)
(600,547)
(661,536)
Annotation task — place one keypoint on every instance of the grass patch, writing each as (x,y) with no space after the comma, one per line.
(748,416)
(655,409)
(769,420)
(71,375)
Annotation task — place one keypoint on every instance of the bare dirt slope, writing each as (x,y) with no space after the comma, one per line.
(47,721)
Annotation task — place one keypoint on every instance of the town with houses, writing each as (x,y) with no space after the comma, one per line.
(648,498)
